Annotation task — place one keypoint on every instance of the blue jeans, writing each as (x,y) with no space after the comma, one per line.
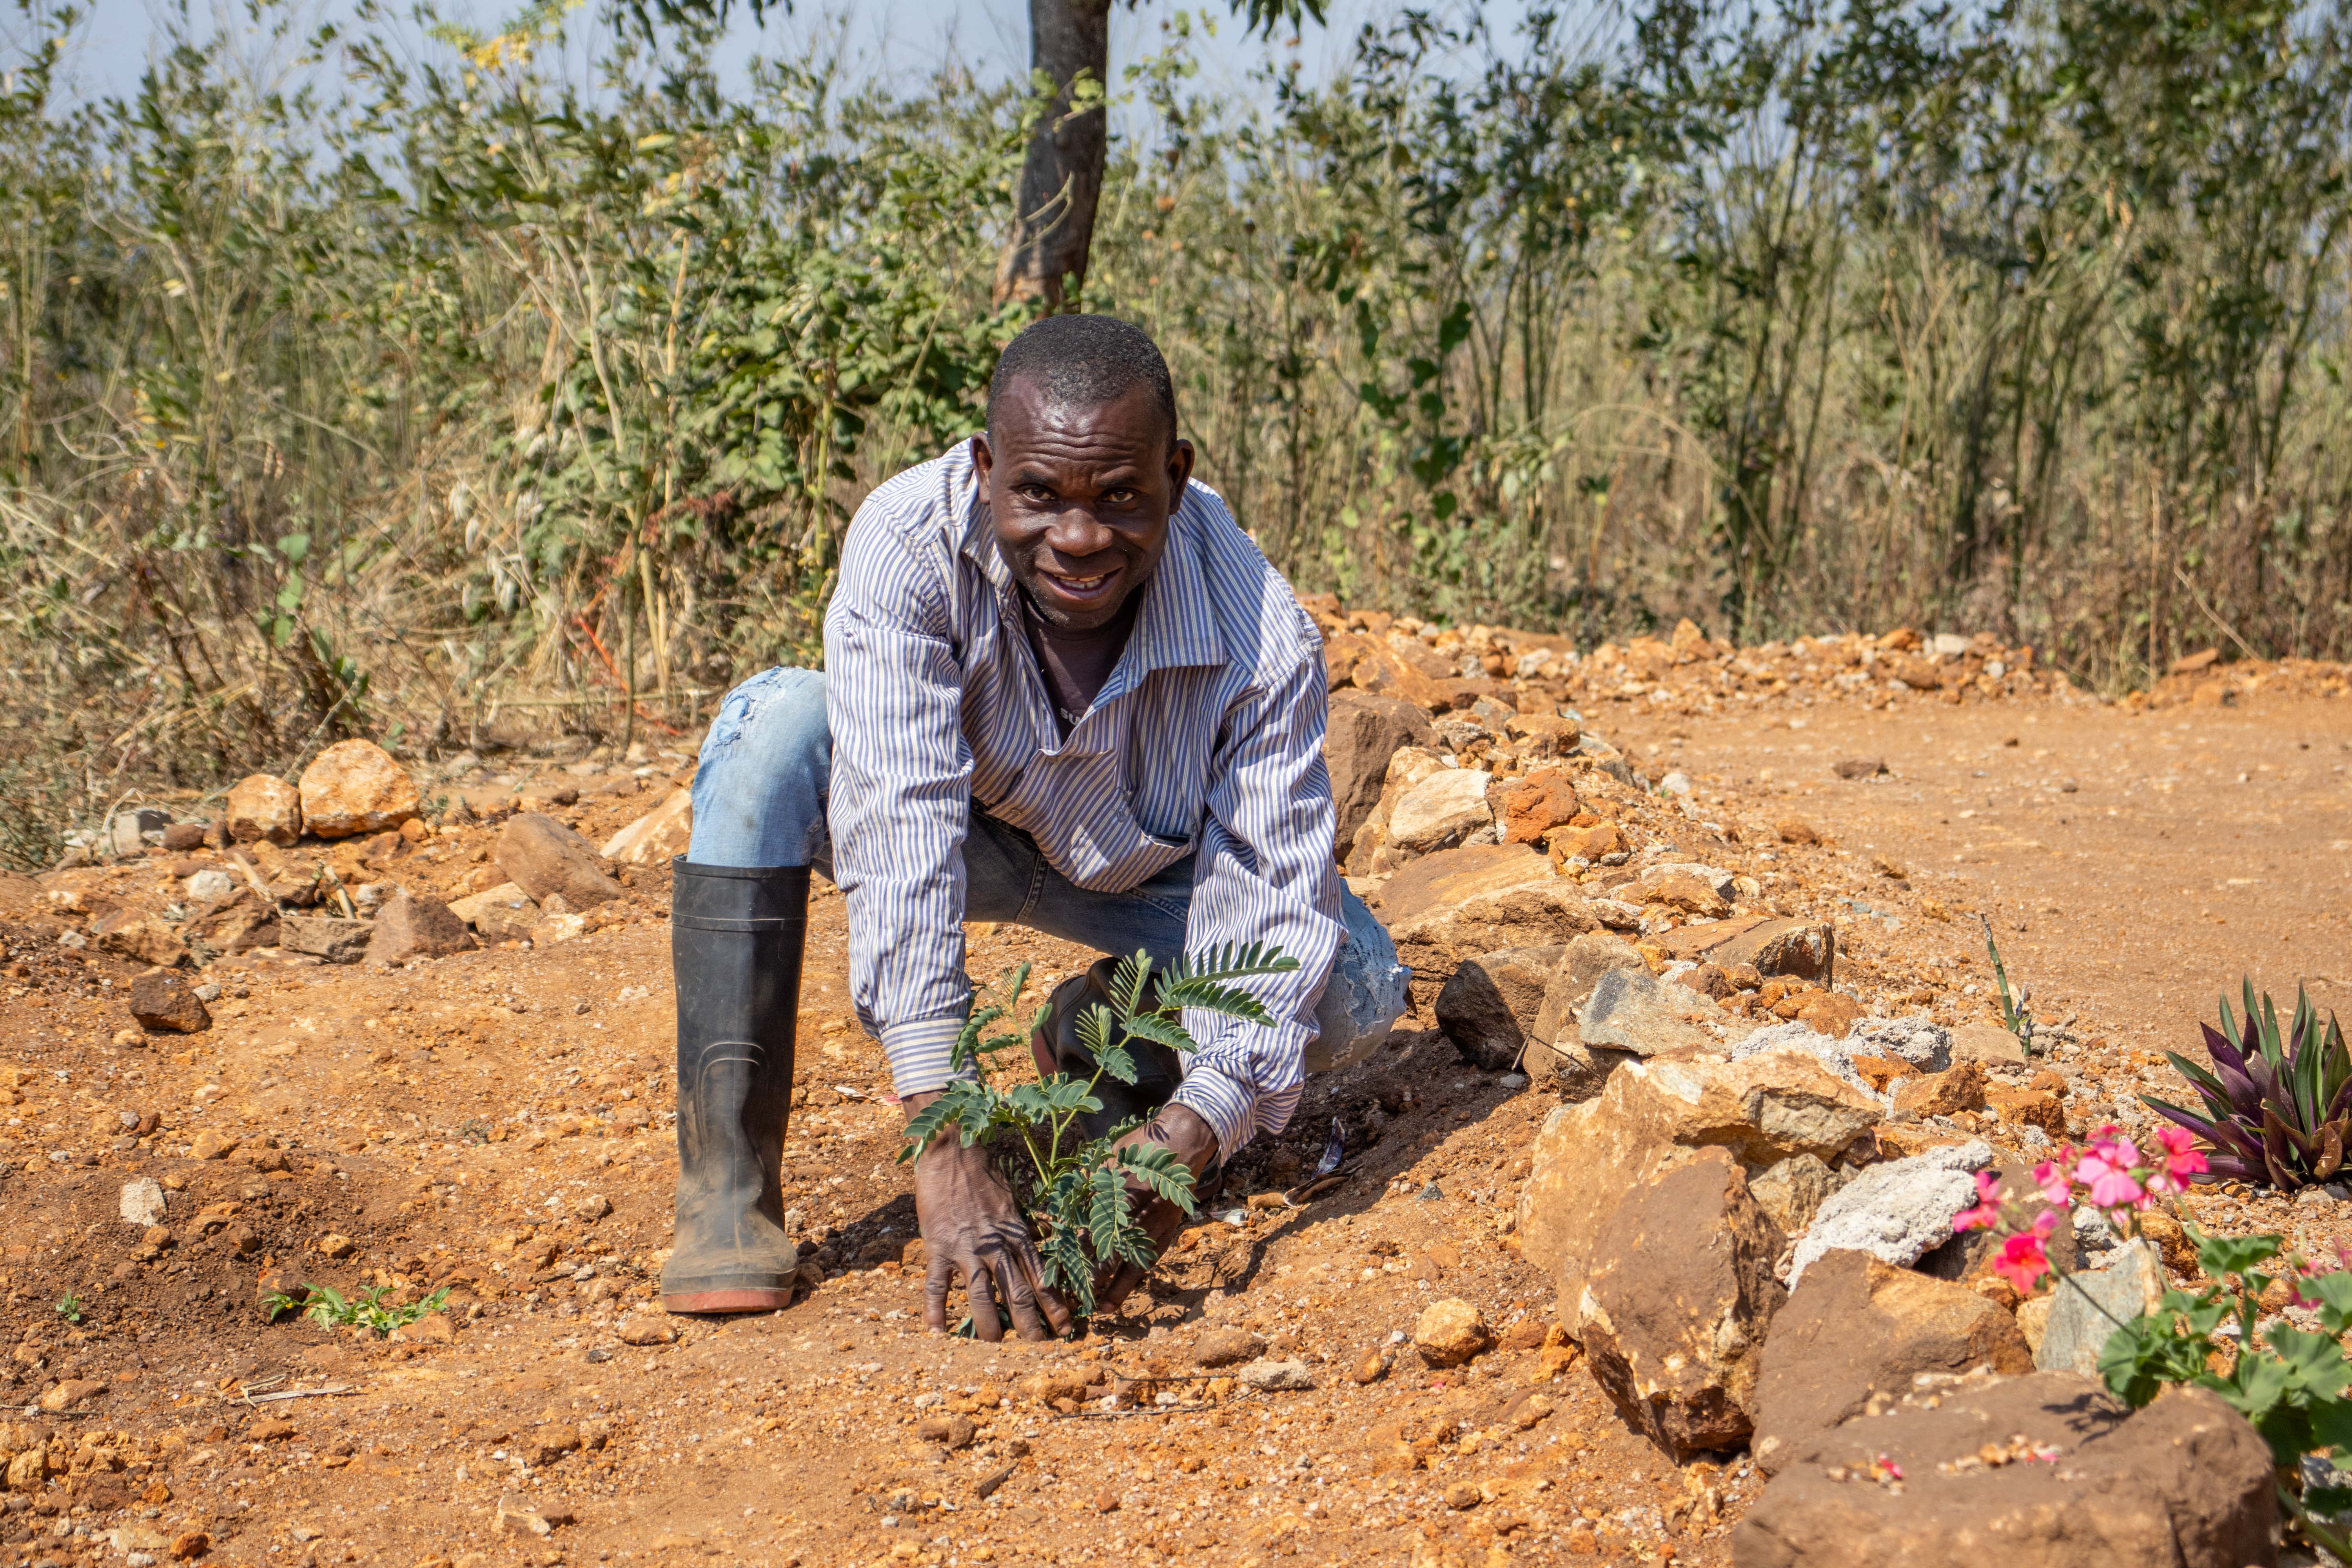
(759,801)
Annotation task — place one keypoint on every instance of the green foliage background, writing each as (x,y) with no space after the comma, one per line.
(436,396)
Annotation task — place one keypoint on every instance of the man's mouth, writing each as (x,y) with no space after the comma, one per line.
(1080,588)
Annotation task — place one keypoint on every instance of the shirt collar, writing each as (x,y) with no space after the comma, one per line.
(1176,627)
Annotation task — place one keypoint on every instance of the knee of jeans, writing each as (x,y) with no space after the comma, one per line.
(773,725)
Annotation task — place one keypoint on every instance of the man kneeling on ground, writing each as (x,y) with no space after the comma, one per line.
(1062,688)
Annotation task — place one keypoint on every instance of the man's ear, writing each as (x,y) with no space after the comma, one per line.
(982,459)
(1179,472)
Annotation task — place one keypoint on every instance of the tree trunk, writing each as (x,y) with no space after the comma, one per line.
(1061,178)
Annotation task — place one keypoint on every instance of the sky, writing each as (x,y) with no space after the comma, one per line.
(903,38)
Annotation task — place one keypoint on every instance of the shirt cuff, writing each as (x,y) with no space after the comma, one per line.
(1233,1107)
(922,1053)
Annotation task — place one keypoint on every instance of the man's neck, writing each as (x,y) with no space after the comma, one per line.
(1077,664)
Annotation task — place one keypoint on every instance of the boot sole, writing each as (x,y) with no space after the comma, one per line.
(737,1300)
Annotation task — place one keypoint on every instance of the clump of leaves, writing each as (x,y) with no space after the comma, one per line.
(70,1308)
(2289,1383)
(2278,1102)
(330,1308)
(1075,1194)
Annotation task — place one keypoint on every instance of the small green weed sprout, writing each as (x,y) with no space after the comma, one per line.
(366,1308)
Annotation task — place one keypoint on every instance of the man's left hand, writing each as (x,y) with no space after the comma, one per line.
(1181,1131)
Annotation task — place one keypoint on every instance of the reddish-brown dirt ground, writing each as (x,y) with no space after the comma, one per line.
(467,1122)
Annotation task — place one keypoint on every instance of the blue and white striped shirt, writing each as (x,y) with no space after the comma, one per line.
(1207,739)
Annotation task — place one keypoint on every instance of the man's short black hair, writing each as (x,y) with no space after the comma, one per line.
(1085,361)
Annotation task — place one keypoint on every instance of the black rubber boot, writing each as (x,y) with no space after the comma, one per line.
(735,951)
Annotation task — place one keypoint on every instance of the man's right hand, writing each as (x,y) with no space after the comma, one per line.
(972,1228)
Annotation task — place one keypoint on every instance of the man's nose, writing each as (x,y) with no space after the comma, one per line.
(1077,533)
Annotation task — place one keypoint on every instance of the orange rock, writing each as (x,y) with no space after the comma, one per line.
(1541,803)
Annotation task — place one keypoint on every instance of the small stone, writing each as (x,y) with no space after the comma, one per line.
(1796,830)
(263,808)
(70,1394)
(1105,1501)
(503,913)
(2029,1108)
(550,1443)
(591,1209)
(164,1003)
(209,886)
(1792,1192)
(213,1144)
(409,928)
(190,1546)
(1948,1093)
(646,1331)
(1227,1347)
(334,1244)
(949,1431)
(433,1329)
(1988,1043)
(140,938)
(1462,1495)
(1276,1375)
(326,937)
(269,1430)
(182,836)
(143,1203)
(1859,767)
(354,787)
(1451,1331)
(1372,1366)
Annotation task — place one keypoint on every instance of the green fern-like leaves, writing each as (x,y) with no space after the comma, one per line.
(1082,1193)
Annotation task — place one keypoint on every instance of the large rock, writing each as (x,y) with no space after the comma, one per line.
(1369,853)
(1792,1191)
(1539,804)
(2184,1482)
(1657,1113)
(1988,1043)
(1630,1010)
(1442,811)
(142,939)
(1561,1052)
(325,936)
(543,858)
(1365,730)
(2088,1305)
(1676,1302)
(1915,1038)
(503,913)
(1896,1212)
(1458,903)
(408,927)
(1804,950)
(263,808)
(1969,1255)
(1859,1328)
(353,787)
(657,836)
(1488,1005)
(163,1002)
(237,923)
(1797,1035)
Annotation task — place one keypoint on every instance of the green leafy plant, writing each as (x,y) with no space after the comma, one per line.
(1074,1188)
(2288,1383)
(2278,1102)
(366,1308)
(70,1308)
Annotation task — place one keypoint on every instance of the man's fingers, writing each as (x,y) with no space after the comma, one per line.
(980,1298)
(935,1293)
(1020,1298)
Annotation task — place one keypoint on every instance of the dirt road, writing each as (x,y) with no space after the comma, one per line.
(494,1122)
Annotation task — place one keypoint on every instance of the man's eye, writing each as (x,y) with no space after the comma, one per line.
(1035,493)
(1119,498)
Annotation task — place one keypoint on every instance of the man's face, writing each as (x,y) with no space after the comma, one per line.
(1080,497)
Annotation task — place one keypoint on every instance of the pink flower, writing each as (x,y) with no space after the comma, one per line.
(2052,1178)
(2023,1261)
(2181,1160)
(1986,1213)
(2106,1170)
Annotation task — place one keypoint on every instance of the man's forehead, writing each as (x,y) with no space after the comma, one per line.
(1032,420)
